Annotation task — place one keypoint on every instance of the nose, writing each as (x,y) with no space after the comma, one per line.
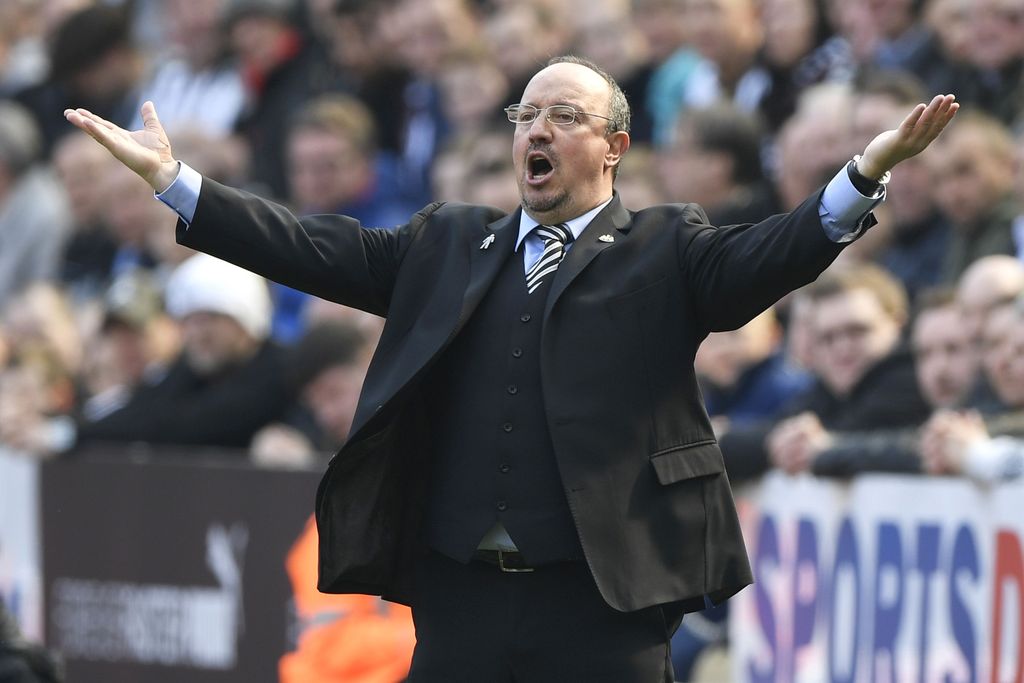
(540,129)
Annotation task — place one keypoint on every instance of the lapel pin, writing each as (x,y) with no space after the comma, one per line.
(605,238)
(488,241)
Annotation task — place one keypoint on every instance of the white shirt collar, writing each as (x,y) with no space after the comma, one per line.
(576,225)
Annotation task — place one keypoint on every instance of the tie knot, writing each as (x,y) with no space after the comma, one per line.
(559,233)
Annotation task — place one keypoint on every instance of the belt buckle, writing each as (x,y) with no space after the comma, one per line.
(511,570)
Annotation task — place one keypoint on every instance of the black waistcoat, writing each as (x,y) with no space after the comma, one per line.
(493,456)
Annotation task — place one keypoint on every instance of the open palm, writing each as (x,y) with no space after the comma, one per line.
(917,131)
(146,151)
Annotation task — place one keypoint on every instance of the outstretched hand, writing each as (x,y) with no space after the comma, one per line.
(146,151)
(916,132)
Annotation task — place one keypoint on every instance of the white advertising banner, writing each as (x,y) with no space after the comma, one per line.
(21,575)
(885,579)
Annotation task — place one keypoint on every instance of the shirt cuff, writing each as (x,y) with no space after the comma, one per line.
(990,460)
(182,195)
(844,210)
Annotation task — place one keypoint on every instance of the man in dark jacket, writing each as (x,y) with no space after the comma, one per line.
(530,465)
(865,379)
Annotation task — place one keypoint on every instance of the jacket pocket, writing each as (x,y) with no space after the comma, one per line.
(688,461)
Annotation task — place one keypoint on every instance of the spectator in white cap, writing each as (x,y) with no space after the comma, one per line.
(226,383)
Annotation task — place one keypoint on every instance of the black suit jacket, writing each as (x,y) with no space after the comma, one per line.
(626,311)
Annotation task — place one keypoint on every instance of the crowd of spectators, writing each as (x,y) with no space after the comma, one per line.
(908,355)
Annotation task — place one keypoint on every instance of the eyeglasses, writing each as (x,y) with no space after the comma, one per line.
(558,114)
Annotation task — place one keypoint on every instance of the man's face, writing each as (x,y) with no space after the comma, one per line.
(997,354)
(325,170)
(997,33)
(853,333)
(1015,365)
(213,342)
(944,356)
(564,171)
(969,177)
(333,396)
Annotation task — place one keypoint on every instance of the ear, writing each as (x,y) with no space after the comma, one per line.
(618,143)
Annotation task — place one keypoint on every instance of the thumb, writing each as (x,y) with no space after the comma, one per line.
(150,121)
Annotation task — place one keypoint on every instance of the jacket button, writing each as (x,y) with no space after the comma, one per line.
(503,468)
(513,389)
(525,317)
(507,427)
(502,506)
(517,353)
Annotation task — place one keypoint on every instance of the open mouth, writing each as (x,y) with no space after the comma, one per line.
(538,167)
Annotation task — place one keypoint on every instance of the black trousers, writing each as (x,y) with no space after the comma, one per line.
(476,624)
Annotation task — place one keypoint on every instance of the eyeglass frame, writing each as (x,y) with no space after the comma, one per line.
(513,108)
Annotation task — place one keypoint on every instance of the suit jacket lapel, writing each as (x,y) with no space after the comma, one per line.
(613,221)
(484,263)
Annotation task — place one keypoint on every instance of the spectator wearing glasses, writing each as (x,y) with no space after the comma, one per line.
(864,376)
(530,465)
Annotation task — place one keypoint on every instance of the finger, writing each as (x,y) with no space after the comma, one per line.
(97,119)
(910,123)
(150,120)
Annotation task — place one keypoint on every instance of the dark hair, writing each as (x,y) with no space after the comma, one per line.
(85,37)
(618,107)
(724,128)
(324,345)
(889,291)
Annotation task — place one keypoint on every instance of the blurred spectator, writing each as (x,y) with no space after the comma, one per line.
(279,76)
(728,35)
(944,352)
(34,216)
(950,21)
(715,160)
(960,443)
(745,374)
(864,378)
(665,28)
(135,344)
(987,283)
(195,86)
(907,43)
(996,358)
(946,368)
(639,183)
(40,318)
(799,51)
(326,370)
(22,52)
(352,638)
(34,386)
(93,64)
(89,253)
(997,52)
(474,91)
(522,35)
(974,182)
(225,384)
(491,177)
(135,220)
(607,34)
(813,143)
(21,661)
(334,167)
(427,31)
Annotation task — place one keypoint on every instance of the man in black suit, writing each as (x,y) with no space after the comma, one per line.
(530,465)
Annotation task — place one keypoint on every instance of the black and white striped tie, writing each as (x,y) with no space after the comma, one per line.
(555,238)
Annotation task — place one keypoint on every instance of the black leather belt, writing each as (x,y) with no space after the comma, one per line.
(509,562)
